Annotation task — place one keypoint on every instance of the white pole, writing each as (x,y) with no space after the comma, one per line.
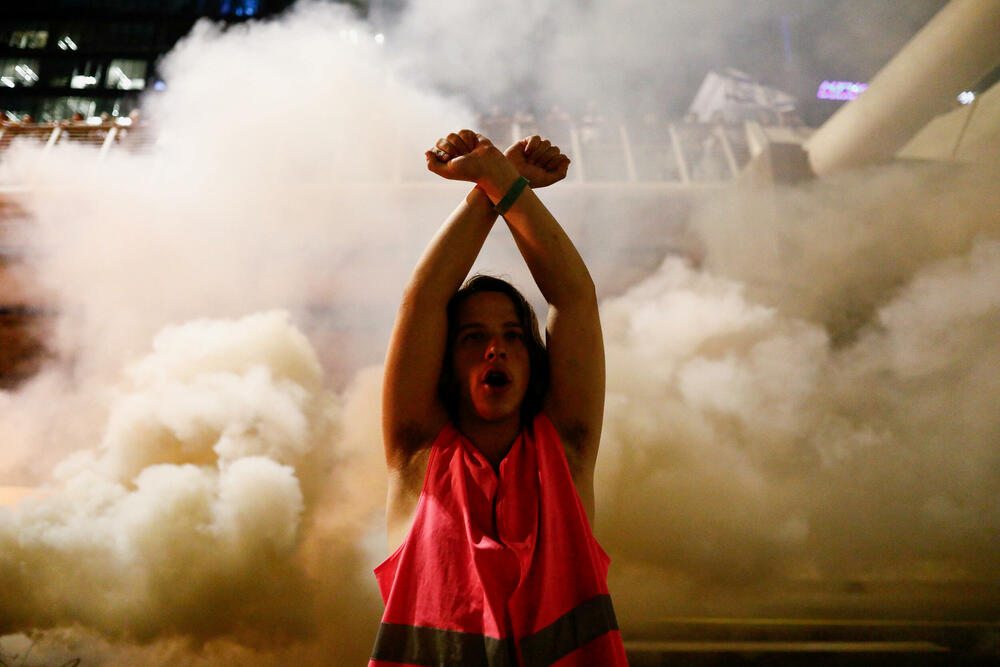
(952,52)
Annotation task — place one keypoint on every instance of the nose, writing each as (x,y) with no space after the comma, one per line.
(496,349)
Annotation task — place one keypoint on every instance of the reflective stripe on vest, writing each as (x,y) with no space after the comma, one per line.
(571,631)
(414,645)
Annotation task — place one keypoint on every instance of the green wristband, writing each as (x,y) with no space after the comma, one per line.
(508,200)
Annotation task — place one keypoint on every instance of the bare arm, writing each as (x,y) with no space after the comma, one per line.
(412,414)
(575,402)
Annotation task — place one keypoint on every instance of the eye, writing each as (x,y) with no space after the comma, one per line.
(473,337)
(513,334)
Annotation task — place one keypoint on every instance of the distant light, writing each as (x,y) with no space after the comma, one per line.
(124,121)
(123,80)
(7,81)
(80,81)
(967,97)
(159,85)
(69,42)
(380,38)
(62,45)
(840,90)
(94,120)
(26,72)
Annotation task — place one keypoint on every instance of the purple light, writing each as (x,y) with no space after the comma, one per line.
(840,90)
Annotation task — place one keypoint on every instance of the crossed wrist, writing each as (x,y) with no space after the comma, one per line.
(498,178)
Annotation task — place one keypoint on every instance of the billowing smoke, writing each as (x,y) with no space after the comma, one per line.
(742,448)
(814,404)
(223,508)
(526,55)
(631,57)
(203,493)
(194,497)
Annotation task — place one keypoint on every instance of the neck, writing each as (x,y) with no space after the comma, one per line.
(493,439)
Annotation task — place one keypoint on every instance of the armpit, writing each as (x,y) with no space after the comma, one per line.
(407,439)
(574,439)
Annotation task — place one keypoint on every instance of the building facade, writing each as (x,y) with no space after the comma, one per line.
(59,58)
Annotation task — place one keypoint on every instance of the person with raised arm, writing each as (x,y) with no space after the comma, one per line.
(491,438)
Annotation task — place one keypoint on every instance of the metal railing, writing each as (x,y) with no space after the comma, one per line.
(639,152)
(103,136)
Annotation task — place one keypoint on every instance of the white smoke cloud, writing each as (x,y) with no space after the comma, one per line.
(628,56)
(836,250)
(254,197)
(755,432)
(190,509)
(520,55)
(816,405)
(213,495)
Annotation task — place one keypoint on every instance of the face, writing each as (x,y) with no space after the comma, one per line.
(490,358)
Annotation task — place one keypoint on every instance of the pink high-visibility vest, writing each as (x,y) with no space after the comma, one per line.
(498,570)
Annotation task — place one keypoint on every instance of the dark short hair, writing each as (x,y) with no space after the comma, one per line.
(538,356)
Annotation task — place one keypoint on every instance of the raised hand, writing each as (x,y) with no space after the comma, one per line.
(462,156)
(538,160)
(468,156)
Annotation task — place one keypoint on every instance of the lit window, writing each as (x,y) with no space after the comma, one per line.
(29,39)
(80,81)
(67,43)
(18,72)
(63,108)
(127,74)
(86,75)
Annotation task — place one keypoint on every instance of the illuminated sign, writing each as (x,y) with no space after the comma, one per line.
(840,90)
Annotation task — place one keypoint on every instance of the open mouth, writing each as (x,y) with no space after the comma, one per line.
(496,378)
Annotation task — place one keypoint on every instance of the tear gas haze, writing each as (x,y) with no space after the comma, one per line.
(814,405)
